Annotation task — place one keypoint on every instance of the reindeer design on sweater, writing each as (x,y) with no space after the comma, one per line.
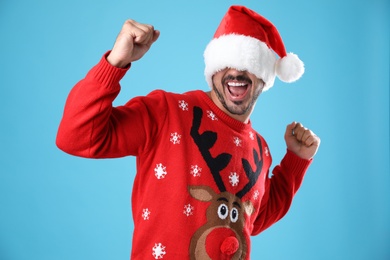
(222,236)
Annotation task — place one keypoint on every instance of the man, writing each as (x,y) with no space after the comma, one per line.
(202,186)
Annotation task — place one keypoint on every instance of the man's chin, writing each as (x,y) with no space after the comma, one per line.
(237,109)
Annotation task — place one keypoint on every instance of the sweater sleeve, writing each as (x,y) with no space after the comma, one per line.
(91,127)
(280,190)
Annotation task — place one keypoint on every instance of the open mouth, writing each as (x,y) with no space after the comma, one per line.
(237,90)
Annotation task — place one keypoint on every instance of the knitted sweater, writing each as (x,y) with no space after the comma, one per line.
(202,186)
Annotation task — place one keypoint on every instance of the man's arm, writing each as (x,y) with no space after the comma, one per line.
(280,189)
(91,126)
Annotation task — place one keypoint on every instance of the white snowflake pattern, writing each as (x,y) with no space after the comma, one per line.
(145,214)
(196,170)
(211,115)
(234,179)
(183,105)
(188,210)
(158,251)
(251,135)
(160,171)
(237,141)
(266,151)
(175,138)
(256,195)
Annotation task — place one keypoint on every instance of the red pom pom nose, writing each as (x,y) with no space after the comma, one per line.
(230,245)
(222,243)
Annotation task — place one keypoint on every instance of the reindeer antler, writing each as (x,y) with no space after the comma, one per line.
(205,141)
(252,175)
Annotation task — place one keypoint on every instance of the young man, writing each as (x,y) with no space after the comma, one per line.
(202,186)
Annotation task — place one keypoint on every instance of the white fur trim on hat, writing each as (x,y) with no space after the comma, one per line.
(242,53)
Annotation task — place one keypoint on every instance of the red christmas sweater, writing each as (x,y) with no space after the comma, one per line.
(202,186)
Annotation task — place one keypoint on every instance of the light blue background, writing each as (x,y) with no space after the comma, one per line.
(55,206)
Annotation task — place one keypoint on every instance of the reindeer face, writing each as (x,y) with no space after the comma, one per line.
(225,209)
(222,234)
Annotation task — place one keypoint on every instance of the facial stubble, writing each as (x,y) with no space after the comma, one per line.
(234,110)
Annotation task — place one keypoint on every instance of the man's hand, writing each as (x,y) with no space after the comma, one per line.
(302,141)
(133,41)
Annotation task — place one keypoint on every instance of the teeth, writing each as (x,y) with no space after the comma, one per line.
(236,84)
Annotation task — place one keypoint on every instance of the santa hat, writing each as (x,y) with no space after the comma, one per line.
(247,41)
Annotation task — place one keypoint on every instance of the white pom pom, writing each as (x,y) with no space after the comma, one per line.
(289,68)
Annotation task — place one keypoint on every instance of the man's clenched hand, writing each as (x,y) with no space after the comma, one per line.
(302,141)
(133,41)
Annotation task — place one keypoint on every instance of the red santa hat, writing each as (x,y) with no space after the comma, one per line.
(247,41)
